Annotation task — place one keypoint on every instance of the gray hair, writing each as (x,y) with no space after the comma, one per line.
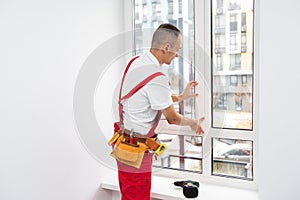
(165,33)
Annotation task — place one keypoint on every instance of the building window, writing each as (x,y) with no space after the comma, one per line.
(238,102)
(221,101)
(244,22)
(223,80)
(233,22)
(219,4)
(219,62)
(233,42)
(244,80)
(170,9)
(220,21)
(180,7)
(220,24)
(244,42)
(220,41)
(234,80)
(235,61)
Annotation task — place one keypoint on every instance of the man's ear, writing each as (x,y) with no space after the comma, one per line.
(166,48)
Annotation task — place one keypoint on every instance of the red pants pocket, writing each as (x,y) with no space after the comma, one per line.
(135,186)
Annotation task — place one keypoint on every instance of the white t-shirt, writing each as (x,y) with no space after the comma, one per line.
(140,110)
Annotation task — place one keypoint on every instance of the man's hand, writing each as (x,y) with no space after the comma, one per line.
(187,93)
(196,126)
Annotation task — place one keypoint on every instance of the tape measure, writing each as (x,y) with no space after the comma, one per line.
(161,149)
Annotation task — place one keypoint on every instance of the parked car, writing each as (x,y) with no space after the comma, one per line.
(234,152)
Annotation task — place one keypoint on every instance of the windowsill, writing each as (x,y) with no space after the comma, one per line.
(163,188)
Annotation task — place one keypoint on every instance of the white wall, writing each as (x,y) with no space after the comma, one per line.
(42,46)
(279,100)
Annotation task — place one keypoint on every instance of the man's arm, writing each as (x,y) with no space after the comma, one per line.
(174,117)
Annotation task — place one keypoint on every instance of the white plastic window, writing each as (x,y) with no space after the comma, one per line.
(225,31)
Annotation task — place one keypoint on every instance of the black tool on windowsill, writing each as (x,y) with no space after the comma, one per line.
(190,188)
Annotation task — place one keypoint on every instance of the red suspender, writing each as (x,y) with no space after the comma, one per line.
(140,85)
(151,131)
(121,87)
(124,74)
(133,91)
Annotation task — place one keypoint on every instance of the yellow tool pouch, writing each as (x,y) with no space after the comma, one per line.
(129,154)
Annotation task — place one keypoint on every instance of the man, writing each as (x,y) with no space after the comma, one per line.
(140,112)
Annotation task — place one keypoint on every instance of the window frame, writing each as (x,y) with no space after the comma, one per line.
(251,135)
(203,21)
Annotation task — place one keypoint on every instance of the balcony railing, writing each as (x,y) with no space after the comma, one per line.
(180,162)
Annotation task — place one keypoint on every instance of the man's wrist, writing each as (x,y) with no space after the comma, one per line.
(177,98)
(174,98)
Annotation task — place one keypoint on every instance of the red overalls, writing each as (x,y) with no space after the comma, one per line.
(135,184)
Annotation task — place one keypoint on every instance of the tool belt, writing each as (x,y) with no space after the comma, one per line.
(129,147)
(137,138)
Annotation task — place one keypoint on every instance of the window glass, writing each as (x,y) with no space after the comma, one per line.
(220,21)
(184,152)
(149,15)
(235,61)
(244,80)
(232,158)
(233,80)
(233,42)
(233,22)
(237,64)
(219,62)
(220,41)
